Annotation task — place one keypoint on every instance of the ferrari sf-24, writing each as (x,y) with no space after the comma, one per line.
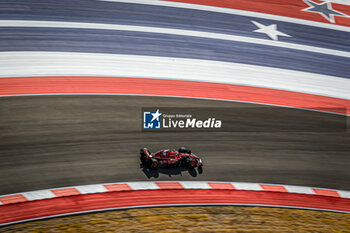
(170,158)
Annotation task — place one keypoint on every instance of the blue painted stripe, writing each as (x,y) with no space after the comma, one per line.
(159,16)
(154,44)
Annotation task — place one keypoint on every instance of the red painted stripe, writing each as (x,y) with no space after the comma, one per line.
(169,185)
(163,87)
(274,188)
(325,192)
(221,185)
(64,205)
(65,192)
(13,199)
(117,187)
(286,8)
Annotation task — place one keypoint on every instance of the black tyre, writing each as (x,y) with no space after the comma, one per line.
(153,164)
(200,169)
(143,158)
(191,162)
(143,155)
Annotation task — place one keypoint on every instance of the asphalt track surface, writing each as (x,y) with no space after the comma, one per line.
(58,141)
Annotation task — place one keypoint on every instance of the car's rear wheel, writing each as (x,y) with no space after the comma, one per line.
(142,158)
(153,164)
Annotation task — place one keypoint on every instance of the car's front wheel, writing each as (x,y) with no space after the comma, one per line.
(200,169)
(191,162)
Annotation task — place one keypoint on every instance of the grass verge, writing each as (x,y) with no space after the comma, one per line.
(194,219)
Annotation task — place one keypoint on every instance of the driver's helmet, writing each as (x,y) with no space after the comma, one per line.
(182,149)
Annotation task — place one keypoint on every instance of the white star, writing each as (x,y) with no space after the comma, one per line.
(270,30)
(156,115)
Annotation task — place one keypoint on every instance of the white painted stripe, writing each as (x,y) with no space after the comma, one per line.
(195,185)
(342,2)
(23,64)
(299,189)
(235,12)
(94,188)
(99,188)
(219,36)
(247,186)
(38,195)
(143,185)
(344,194)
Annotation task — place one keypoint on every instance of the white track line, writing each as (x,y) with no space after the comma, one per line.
(234,12)
(179,32)
(31,64)
(341,2)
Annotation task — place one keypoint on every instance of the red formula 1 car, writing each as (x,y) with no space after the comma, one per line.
(170,157)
